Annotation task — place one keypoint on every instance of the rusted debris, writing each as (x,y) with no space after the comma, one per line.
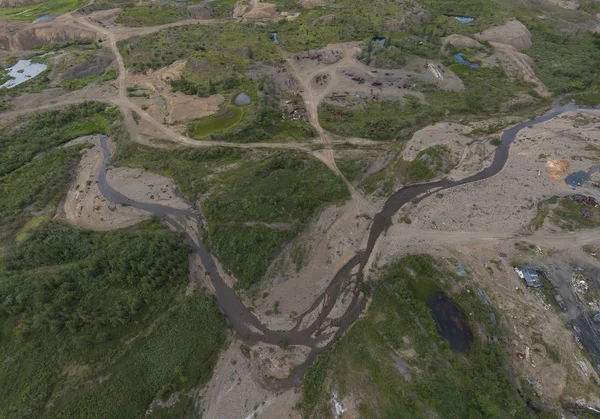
(584,200)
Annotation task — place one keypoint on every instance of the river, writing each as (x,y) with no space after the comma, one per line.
(246,324)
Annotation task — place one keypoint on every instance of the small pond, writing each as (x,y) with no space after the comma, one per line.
(274,38)
(22,71)
(461,59)
(452,324)
(380,41)
(461,19)
(242,99)
(576,179)
(44,18)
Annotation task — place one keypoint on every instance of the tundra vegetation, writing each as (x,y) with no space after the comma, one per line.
(88,319)
(241,192)
(393,362)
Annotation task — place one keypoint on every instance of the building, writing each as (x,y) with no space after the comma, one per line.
(530,275)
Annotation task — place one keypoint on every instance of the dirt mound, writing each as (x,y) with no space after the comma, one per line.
(18,3)
(556,168)
(22,36)
(460,41)
(518,65)
(512,33)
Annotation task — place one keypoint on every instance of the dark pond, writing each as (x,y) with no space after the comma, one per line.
(452,324)
(461,59)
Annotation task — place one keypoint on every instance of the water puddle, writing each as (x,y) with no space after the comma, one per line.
(461,19)
(22,71)
(380,41)
(274,38)
(452,324)
(44,18)
(576,179)
(461,59)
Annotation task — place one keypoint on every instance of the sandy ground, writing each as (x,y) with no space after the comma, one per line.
(330,242)
(84,205)
(236,392)
(507,201)
(169,106)
(450,135)
(143,186)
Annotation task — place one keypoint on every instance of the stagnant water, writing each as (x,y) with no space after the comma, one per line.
(452,324)
(245,322)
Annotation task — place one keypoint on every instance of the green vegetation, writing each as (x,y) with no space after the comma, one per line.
(32,12)
(239,203)
(20,143)
(80,83)
(173,44)
(429,163)
(38,186)
(394,364)
(225,119)
(569,215)
(378,120)
(74,305)
(285,187)
(34,174)
(564,62)
(156,14)
(351,167)
(540,216)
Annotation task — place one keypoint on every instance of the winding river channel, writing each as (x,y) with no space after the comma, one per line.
(246,324)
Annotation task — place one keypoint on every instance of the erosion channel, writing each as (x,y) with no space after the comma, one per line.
(245,323)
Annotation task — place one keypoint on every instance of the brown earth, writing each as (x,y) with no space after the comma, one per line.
(19,36)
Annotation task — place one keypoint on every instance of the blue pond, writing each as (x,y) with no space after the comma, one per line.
(576,179)
(380,41)
(461,59)
(44,18)
(274,38)
(461,19)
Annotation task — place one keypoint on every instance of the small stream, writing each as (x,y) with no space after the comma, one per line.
(246,324)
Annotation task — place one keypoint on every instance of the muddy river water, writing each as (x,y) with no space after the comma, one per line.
(246,324)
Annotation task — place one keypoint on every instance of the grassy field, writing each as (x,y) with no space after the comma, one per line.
(153,15)
(31,13)
(75,300)
(241,189)
(441,382)
(224,120)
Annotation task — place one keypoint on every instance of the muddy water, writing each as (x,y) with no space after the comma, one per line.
(245,322)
